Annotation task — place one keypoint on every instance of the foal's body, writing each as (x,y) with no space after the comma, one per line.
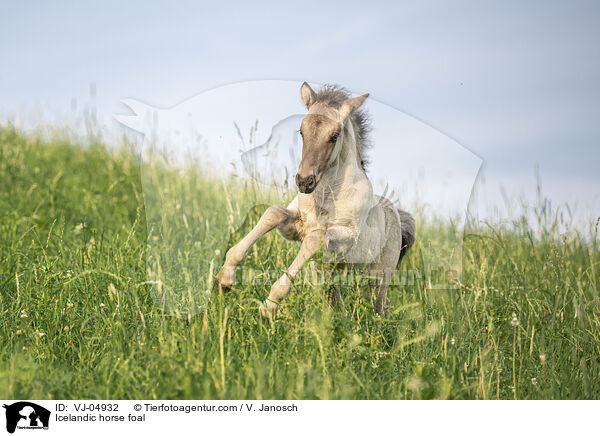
(335,210)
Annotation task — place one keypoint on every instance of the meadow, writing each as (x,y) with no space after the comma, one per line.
(83,247)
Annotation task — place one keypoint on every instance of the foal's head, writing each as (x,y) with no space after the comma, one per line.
(320,130)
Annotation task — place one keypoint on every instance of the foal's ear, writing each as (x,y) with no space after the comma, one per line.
(351,105)
(308,95)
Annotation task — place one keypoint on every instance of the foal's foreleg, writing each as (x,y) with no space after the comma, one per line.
(334,239)
(311,244)
(273,217)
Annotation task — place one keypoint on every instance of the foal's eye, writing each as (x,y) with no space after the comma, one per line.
(334,138)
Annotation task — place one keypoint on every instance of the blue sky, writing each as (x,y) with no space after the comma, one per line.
(518,83)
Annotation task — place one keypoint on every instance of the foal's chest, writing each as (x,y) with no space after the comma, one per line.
(315,215)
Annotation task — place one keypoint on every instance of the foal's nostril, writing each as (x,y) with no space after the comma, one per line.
(306,184)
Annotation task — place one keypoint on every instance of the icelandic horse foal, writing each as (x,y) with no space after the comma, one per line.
(335,209)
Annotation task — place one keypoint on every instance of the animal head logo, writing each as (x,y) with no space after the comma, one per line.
(26,415)
(254,130)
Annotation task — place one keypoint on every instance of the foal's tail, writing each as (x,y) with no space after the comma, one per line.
(407,225)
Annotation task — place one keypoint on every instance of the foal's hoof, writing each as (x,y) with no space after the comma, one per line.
(224,279)
(268,309)
(219,287)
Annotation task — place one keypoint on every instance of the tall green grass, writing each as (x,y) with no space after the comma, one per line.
(82,316)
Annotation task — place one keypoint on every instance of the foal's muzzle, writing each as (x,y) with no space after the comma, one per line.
(306,185)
